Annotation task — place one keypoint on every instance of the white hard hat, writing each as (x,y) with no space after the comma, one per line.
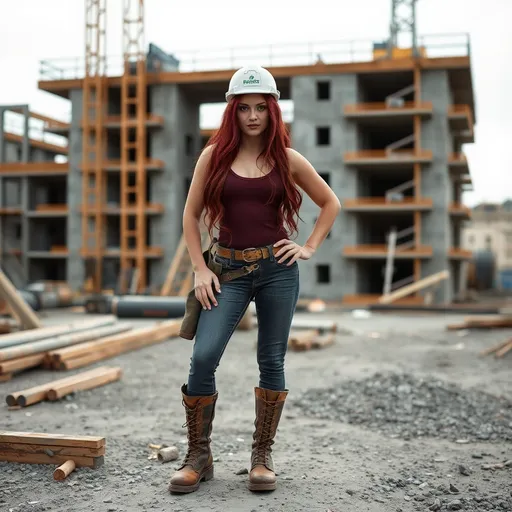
(252,80)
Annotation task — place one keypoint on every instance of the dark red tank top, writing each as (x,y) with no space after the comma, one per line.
(251,211)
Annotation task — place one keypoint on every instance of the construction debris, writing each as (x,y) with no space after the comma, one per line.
(499,349)
(300,341)
(68,346)
(41,448)
(63,471)
(168,454)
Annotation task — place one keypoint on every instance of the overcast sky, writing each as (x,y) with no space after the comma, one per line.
(32,30)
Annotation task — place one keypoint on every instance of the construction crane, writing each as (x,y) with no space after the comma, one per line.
(133,142)
(403,20)
(133,235)
(94,136)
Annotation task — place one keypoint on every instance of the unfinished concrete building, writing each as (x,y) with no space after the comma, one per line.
(386,132)
(33,198)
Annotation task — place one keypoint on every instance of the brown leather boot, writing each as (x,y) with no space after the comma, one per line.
(198,462)
(269,406)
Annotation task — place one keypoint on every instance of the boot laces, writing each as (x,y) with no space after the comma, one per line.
(193,432)
(265,441)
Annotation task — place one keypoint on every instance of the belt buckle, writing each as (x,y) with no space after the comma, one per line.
(250,249)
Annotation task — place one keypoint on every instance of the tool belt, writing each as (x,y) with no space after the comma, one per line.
(193,307)
(248,255)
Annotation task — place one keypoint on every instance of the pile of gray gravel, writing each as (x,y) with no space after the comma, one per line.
(405,406)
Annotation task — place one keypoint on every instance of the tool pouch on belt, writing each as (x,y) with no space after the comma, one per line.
(193,307)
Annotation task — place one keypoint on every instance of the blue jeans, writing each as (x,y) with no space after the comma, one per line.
(275,290)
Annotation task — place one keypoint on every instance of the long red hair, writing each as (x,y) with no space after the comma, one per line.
(226,143)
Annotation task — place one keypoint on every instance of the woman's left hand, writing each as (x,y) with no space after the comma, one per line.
(290,249)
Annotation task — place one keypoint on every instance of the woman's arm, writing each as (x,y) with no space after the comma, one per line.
(305,175)
(194,206)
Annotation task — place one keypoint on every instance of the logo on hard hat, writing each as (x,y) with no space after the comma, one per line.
(254,78)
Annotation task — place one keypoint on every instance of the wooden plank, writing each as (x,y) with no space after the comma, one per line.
(504,350)
(51,439)
(63,340)
(19,338)
(109,375)
(38,393)
(21,363)
(414,287)
(24,312)
(125,342)
(38,458)
(79,451)
(495,348)
(162,334)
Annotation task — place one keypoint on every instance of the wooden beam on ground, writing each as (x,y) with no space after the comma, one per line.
(504,350)
(414,287)
(63,340)
(58,449)
(492,322)
(28,319)
(88,353)
(108,375)
(61,387)
(51,439)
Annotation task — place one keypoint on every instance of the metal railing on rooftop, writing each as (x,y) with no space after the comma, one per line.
(273,55)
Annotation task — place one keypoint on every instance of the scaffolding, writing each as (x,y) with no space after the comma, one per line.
(133,143)
(94,136)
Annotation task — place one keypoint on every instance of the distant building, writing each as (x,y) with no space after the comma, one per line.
(490,228)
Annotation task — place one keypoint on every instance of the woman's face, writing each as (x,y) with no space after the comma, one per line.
(252,114)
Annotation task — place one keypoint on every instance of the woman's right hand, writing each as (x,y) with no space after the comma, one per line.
(203,287)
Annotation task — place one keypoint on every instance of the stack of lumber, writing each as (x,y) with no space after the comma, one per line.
(57,389)
(69,346)
(88,353)
(23,350)
(64,450)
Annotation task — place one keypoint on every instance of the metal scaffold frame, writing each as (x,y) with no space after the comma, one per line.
(94,136)
(133,142)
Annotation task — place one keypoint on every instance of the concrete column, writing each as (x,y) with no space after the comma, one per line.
(75,266)
(181,118)
(25,235)
(310,113)
(435,179)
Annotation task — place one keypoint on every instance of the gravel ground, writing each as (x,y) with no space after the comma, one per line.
(399,415)
(402,405)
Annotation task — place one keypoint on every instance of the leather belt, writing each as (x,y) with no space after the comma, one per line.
(248,255)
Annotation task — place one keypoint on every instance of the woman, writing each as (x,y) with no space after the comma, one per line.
(246,181)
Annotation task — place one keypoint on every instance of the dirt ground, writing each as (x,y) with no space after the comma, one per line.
(322,464)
